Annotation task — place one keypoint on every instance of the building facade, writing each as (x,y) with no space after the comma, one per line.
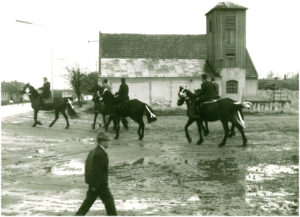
(156,65)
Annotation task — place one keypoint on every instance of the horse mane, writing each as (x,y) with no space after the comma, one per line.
(189,93)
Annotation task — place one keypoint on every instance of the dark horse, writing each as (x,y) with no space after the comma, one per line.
(134,109)
(224,109)
(99,108)
(58,105)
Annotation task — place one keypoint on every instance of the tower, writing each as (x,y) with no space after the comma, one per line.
(226,46)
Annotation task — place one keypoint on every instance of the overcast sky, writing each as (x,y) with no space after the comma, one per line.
(272,32)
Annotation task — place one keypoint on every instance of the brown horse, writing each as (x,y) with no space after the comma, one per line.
(224,109)
(58,105)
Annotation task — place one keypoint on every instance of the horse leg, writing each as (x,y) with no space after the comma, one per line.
(141,129)
(226,131)
(190,121)
(200,125)
(66,117)
(117,124)
(110,118)
(125,123)
(104,121)
(206,131)
(241,129)
(35,117)
(232,133)
(56,117)
(95,119)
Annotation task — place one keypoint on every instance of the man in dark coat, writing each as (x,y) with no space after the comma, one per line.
(207,90)
(96,176)
(45,91)
(123,91)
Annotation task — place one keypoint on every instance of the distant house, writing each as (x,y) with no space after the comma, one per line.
(156,65)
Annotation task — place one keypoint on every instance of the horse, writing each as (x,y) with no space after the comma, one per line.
(59,105)
(134,109)
(223,109)
(99,108)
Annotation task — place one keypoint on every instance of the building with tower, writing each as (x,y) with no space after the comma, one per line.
(156,65)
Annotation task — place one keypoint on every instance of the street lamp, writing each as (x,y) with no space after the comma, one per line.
(51,49)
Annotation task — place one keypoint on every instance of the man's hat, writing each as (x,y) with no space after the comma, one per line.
(204,76)
(102,136)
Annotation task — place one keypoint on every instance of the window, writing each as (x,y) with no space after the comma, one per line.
(230,42)
(232,86)
(210,26)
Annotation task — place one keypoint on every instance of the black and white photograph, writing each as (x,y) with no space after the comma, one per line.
(150,107)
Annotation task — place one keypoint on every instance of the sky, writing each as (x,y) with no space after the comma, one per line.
(61,31)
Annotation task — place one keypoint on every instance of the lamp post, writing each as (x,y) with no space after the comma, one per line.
(51,48)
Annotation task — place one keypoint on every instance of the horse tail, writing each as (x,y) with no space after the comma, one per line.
(71,111)
(151,117)
(240,116)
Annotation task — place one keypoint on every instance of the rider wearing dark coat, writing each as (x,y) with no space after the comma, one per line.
(207,90)
(96,176)
(46,92)
(123,91)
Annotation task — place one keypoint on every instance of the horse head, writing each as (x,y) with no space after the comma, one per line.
(29,90)
(181,96)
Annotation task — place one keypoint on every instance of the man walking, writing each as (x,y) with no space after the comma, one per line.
(96,176)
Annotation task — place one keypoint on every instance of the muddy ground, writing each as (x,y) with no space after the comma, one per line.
(42,168)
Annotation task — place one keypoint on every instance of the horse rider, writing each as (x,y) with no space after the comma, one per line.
(206,93)
(45,91)
(96,176)
(215,89)
(122,94)
(106,85)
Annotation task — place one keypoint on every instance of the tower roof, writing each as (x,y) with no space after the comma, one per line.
(227,5)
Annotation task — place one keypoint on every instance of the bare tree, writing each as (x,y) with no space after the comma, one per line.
(75,77)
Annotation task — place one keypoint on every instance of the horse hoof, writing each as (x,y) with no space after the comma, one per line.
(206,133)
(39,123)
(245,144)
(189,140)
(221,145)
(34,125)
(199,142)
(116,137)
(67,127)
(50,125)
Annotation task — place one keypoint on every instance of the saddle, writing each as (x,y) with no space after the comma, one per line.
(210,101)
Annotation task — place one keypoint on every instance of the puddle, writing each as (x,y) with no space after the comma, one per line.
(271,201)
(73,167)
(277,201)
(269,172)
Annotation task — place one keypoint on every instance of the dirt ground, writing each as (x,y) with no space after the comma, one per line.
(42,168)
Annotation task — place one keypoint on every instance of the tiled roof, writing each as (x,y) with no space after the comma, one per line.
(251,72)
(154,67)
(153,46)
(227,5)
